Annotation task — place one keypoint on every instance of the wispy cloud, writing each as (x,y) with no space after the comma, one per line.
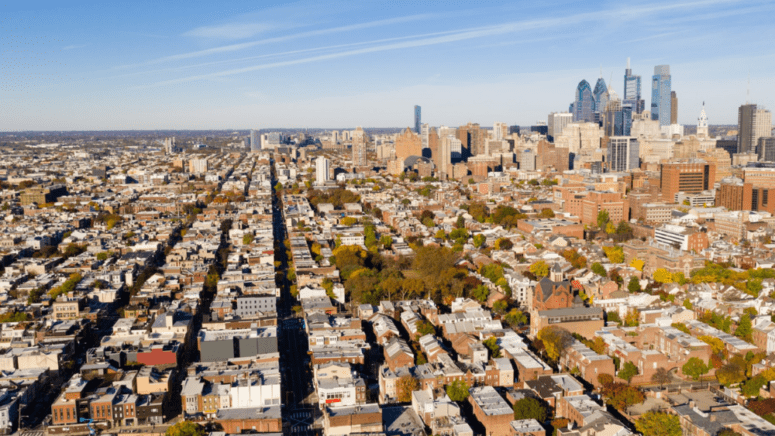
(231,30)
(464,34)
(245,45)
(74,46)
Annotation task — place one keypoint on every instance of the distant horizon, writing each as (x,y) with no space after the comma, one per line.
(95,66)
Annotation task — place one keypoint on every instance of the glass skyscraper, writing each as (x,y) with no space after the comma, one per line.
(583,107)
(661,106)
(601,99)
(417,119)
(632,97)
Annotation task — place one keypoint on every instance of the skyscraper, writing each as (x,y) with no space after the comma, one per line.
(601,98)
(359,147)
(660,95)
(417,119)
(584,104)
(752,123)
(766,149)
(623,153)
(255,145)
(321,170)
(445,157)
(632,97)
(673,108)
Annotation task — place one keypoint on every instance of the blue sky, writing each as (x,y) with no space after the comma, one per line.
(239,65)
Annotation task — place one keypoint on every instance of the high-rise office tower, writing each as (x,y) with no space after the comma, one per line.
(766,149)
(425,131)
(623,153)
(359,147)
(673,108)
(417,119)
(632,97)
(752,123)
(702,123)
(335,137)
(472,138)
(322,170)
(584,104)
(557,121)
(499,130)
(445,156)
(255,144)
(660,95)
(601,98)
(613,117)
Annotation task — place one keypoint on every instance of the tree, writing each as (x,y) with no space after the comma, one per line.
(556,340)
(546,213)
(492,344)
(634,285)
(599,269)
(404,388)
(602,218)
(605,379)
(661,376)
(632,318)
(609,228)
(659,424)
(515,318)
(530,408)
(539,269)
(503,244)
(479,240)
(622,396)
(752,386)
(481,293)
(744,329)
(688,304)
(638,264)
(731,373)
(695,368)
(623,228)
(186,428)
(662,275)
(614,254)
(247,239)
(424,328)
(457,390)
(460,223)
(628,371)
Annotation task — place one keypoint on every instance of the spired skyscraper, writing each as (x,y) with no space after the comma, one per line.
(661,108)
(417,119)
(601,98)
(632,97)
(583,107)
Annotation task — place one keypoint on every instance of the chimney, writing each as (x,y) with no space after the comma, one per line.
(712,417)
(168,319)
(692,404)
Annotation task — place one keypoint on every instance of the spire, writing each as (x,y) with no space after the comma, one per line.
(628,63)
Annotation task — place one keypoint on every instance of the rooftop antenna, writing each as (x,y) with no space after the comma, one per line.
(628,63)
(748,90)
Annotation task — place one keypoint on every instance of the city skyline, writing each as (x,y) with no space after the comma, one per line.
(114,67)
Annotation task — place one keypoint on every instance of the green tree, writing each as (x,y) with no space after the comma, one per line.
(515,318)
(530,408)
(695,368)
(546,213)
(602,218)
(186,428)
(460,223)
(628,372)
(247,239)
(598,269)
(634,285)
(492,345)
(744,329)
(424,328)
(481,293)
(386,241)
(659,424)
(458,390)
(479,240)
